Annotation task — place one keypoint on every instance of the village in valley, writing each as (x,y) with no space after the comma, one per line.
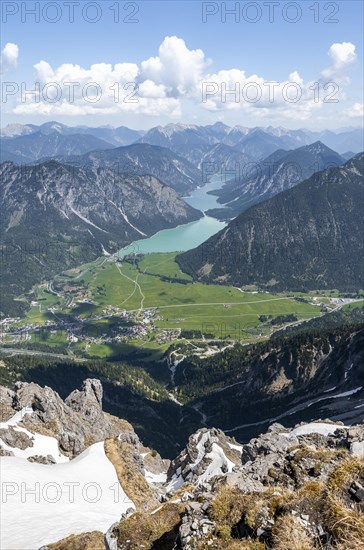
(98,309)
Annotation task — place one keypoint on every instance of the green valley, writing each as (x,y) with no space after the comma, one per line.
(137,306)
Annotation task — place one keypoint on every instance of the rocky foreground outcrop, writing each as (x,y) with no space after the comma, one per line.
(288,489)
(76,423)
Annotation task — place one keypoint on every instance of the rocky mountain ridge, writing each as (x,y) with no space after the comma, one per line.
(283,489)
(35,146)
(312,371)
(278,172)
(142,159)
(114,136)
(257,142)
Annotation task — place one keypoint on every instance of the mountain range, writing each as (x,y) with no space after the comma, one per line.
(301,373)
(35,146)
(115,136)
(57,216)
(278,172)
(192,142)
(308,237)
(142,159)
(257,142)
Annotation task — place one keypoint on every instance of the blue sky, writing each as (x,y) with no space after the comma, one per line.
(258,51)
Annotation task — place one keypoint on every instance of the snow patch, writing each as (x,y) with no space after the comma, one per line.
(238,448)
(71,498)
(43,445)
(217,463)
(155,478)
(316,428)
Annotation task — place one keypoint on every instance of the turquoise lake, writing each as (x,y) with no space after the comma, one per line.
(186,236)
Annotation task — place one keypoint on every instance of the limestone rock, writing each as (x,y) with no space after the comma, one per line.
(14,438)
(77,422)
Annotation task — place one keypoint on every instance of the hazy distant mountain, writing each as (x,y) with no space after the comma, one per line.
(259,144)
(300,137)
(174,135)
(194,141)
(309,237)
(11,156)
(186,135)
(235,134)
(142,159)
(56,216)
(341,140)
(348,155)
(190,141)
(115,136)
(35,146)
(350,140)
(225,160)
(279,171)
(15,130)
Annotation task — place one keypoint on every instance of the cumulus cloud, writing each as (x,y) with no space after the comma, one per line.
(292,98)
(234,90)
(342,55)
(357,110)
(9,57)
(101,89)
(162,84)
(176,67)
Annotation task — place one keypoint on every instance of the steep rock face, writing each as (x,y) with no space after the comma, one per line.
(76,422)
(309,237)
(109,205)
(6,400)
(88,400)
(209,453)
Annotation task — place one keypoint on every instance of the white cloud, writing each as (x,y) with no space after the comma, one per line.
(234,90)
(176,67)
(9,57)
(161,85)
(101,89)
(342,54)
(293,98)
(357,110)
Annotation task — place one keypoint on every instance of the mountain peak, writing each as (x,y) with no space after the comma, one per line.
(317,147)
